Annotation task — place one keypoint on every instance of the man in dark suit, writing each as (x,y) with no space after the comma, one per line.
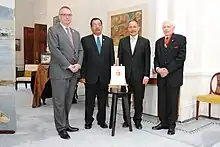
(96,70)
(134,53)
(66,60)
(170,54)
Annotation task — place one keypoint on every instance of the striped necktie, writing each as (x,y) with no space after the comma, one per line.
(69,34)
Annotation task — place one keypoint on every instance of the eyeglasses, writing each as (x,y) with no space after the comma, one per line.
(65,15)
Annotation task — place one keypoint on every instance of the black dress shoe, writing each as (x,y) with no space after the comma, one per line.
(74,101)
(125,125)
(171,131)
(72,129)
(159,127)
(138,125)
(88,126)
(63,134)
(103,125)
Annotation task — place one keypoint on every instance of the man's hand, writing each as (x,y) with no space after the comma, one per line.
(164,72)
(74,68)
(159,70)
(145,80)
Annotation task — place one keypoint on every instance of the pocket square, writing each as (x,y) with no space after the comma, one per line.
(176,46)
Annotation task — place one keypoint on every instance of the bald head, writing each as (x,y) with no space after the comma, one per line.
(133,27)
(168,28)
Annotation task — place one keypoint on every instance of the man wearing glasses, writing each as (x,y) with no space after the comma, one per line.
(66,60)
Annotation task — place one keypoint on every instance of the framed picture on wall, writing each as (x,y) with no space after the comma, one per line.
(18,44)
(56,20)
(45,58)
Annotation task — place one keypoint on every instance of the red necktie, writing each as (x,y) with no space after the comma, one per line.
(167,40)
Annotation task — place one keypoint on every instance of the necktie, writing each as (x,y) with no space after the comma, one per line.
(166,41)
(133,39)
(132,44)
(98,43)
(70,35)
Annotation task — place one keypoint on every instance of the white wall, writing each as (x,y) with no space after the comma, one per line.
(24,16)
(40,11)
(197,19)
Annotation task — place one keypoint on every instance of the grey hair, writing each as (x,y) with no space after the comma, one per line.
(64,7)
(169,22)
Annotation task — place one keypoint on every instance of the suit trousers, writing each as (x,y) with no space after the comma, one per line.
(101,91)
(168,105)
(62,93)
(137,88)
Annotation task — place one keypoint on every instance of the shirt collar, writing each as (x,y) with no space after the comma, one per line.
(135,37)
(64,27)
(100,36)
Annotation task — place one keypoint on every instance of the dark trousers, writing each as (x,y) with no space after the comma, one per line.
(168,105)
(137,88)
(101,91)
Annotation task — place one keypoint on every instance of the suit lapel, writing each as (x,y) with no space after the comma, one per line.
(74,36)
(136,46)
(171,41)
(65,35)
(128,47)
(103,44)
(94,44)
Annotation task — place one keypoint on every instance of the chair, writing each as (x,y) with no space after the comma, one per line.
(25,75)
(213,97)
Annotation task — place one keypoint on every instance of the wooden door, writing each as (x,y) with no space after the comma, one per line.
(28,45)
(40,41)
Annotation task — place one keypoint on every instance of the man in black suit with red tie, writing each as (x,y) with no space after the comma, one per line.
(96,71)
(170,54)
(134,53)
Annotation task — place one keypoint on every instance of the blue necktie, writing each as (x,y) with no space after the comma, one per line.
(99,46)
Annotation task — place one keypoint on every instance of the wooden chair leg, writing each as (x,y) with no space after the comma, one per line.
(209,110)
(197,110)
(16,86)
(26,85)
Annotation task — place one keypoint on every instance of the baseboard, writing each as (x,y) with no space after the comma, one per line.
(187,120)
(7,131)
(196,74)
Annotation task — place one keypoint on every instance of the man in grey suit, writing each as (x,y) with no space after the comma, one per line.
(66,60)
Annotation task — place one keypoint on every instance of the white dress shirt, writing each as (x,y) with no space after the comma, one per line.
(100,37)
(65,28)
(133,41)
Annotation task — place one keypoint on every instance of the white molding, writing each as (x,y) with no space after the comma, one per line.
(187,112)
(206,74)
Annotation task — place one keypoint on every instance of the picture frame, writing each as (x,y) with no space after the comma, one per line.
(18,44)
(118,21)
(56,20)
(45,58)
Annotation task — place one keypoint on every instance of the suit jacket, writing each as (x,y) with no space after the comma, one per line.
(63,53)
(97,65)
(137,63)
(172,58)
